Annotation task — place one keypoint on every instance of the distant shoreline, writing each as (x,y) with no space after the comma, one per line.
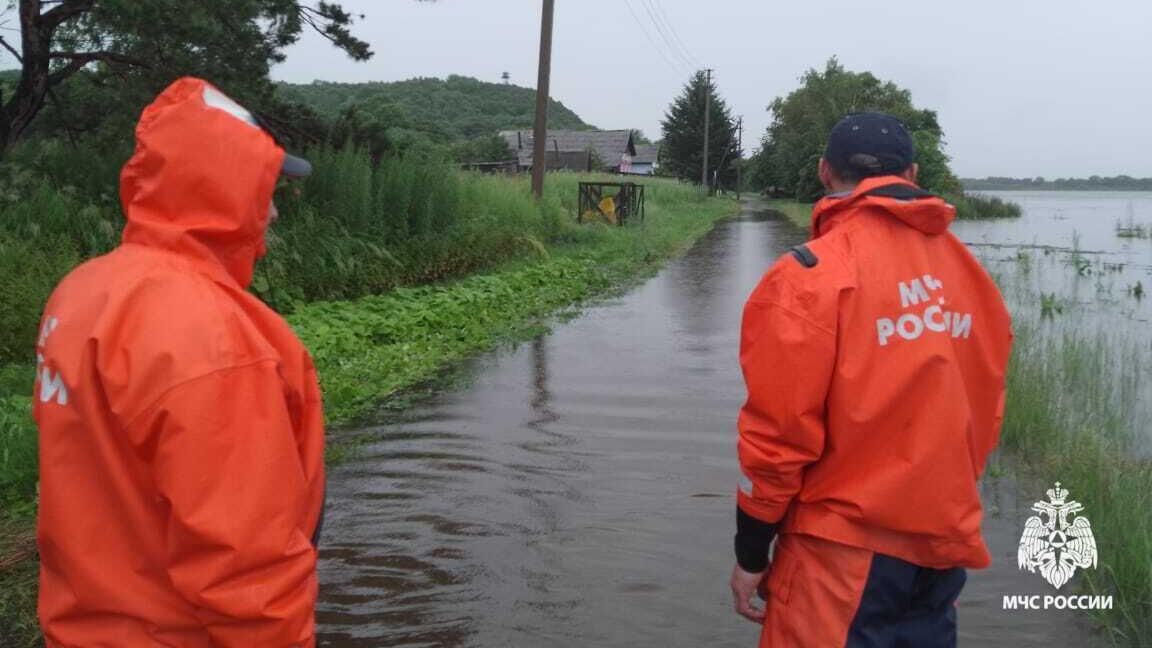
(1102,189)
(1094,183)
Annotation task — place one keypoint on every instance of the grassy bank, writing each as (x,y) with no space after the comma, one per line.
(1077,412)
(371,348)
(798,212)
(1070,418)
(495,275)
(354,228)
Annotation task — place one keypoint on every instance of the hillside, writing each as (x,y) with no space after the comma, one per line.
(450,109)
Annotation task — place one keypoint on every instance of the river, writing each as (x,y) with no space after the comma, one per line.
(578,490)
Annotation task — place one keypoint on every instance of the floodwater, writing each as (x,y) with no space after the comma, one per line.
(1077,233)
(579,491)
(1067,248)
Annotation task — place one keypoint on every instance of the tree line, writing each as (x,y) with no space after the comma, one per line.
(87,68)
(785,164)
(1091,183)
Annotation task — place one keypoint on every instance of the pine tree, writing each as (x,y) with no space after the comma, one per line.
(683,129)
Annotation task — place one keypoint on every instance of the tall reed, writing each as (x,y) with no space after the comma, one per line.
(1077,412)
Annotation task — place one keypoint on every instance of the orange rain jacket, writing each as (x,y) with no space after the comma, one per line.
(875,381)
(181,435)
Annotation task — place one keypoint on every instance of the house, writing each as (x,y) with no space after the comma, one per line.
(645,160)
(576,150)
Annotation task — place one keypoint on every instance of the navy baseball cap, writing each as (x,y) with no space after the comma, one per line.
(869,144)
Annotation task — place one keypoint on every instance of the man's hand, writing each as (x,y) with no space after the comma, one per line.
(745,586)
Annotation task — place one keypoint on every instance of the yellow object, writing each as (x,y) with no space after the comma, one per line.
(608,208)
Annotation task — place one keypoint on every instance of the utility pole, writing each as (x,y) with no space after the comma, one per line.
(739,143)
(540,130)
(707,119)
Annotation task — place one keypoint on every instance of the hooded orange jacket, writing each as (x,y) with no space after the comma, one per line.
(875,367)
(181,433)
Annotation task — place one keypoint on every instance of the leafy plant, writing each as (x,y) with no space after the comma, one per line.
(801,122)
(971,206)
(1050,305)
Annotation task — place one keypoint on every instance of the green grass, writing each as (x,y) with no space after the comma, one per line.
(1084,437)
(18,575)
(799,213)
(1077,413)
(18,569)
(973,206)
(375,347)
(371,351)
(354,228)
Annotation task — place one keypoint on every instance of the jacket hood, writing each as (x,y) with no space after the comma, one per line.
(201,179)
(925,212)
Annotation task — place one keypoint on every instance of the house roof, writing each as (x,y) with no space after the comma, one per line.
(646,154)
(608,146)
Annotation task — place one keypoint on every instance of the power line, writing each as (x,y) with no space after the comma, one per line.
(648,36)
(676,37)
(692,60)
(663,34)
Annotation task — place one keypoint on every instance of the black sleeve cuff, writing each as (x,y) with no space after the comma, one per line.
(752,540)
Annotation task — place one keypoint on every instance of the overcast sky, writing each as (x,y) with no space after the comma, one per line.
(1022,87)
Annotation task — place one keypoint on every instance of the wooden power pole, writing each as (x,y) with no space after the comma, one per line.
(739,143)
(540,129)
(707,117)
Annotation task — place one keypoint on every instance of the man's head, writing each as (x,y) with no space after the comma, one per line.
(864,145)
(202,178)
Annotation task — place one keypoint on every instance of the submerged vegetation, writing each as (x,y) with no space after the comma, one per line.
(1077,409)
(1132,229)
(968,207)
(972,206)
(1086,438)
(1129,228)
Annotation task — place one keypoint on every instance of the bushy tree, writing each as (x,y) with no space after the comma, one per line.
(491,148)
(682,154)
(131,49)
(801,122)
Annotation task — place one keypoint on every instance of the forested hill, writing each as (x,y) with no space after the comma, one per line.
(454,108)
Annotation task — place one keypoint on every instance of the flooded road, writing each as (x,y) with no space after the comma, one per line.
(580,490)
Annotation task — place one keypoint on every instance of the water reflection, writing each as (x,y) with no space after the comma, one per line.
(579,492)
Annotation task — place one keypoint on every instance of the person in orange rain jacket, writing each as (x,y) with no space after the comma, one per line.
(874,358)
(181,433)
